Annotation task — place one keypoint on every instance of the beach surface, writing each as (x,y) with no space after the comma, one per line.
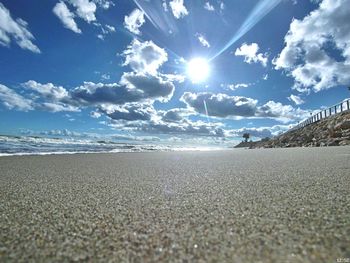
(263,205)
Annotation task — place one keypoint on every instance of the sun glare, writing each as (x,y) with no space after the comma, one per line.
(198,70)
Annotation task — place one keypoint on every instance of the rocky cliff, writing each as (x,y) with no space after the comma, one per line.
(332,131)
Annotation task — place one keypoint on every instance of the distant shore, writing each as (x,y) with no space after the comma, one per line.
(268,205)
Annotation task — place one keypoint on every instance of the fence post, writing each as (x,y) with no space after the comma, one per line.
(335,109)
(341,107)
(348,102)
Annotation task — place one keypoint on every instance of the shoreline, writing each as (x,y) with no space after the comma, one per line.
(162,151)
(115,152)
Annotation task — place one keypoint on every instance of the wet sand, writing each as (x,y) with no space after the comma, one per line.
(268,205)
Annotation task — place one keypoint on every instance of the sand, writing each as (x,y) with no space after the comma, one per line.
(268,205)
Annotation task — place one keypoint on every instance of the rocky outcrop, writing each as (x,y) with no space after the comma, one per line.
(332,131)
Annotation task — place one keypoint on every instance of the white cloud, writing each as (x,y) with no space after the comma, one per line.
(66,17)
(251,55)
(110,28)
(296,99)
(105,4)
(129,111)
(15,29)
(148,87)
(49,97)
(144,57)
(183,127)
(237,86)
(85,9)
(105,30)
(133,87)
(95,114)
(280,112)
(165,6)
(222,6)
(105,76)
(203,40)
(56,107)
(209,7)
(223,106)
(49,90)
(220,105)
(11,100)
(134,21)
(178,8)
(305,55)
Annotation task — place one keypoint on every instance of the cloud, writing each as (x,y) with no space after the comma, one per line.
(178,8)
(47,97)
(55,107)
(236,86)
(129,112)
(175,115)
(251,55)
(66,16)
(138,117)
(202,40)
(165,5)
(209,7)
(85,9)
(310,44)
(133,87)
(63,132)
(144,86)
(280,112)
(134,21)
(144,57)
(51,97)
(11,100)
(105,30)
(48,91)
(149,86)
(105,4)
(223,106)
(95,114)
(15,29)
(185,127)
(296,99)
(220,105)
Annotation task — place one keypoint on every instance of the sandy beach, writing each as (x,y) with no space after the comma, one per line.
(268,205)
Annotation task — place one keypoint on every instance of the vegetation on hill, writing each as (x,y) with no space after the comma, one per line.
(332,131)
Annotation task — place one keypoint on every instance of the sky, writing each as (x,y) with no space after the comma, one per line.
(174,71)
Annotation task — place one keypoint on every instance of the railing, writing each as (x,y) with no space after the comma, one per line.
(335,109)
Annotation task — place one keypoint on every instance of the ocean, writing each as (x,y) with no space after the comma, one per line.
(34,145)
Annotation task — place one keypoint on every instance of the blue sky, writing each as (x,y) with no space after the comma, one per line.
(108,67)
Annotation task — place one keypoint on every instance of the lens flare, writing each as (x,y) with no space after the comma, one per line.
(259,12)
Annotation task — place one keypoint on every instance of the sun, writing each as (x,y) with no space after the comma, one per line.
(198,70)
